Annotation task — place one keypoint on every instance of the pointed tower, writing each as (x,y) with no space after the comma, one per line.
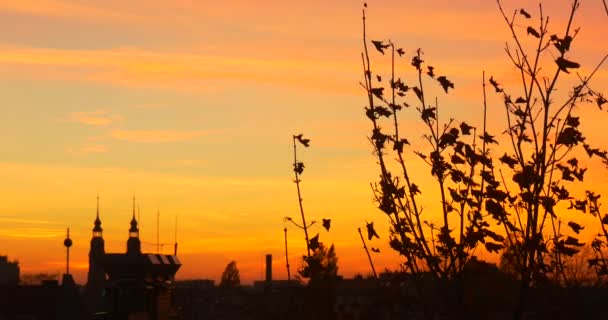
(96,277)
(133,244)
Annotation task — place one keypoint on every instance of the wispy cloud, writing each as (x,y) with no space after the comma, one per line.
(66,9)
(74,264)
(26,221)
(156,136)
(178,70)
(30,233)
(188,162)
(98,118)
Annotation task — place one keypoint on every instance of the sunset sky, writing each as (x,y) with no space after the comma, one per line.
(190,107)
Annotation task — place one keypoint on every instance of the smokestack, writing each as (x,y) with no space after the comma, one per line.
(268,268)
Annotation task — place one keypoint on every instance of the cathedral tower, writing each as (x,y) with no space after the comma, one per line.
(96,276)
(133,244)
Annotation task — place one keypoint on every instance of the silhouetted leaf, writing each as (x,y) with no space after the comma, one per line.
(465,128)
(561,192)
(495,209)
(379,77)
(570,136)
(418,93)
(431,73)
(304,142)
(495,84)
(565,64)
(488,138)
(457,160)
(595,151)
(572,121)
(580,205)
(400,52)
(326,224)
(417,62)
(455,194)
(548,204)
(571,241)
(420,154)
(445,83)
(380,46)
(371,232)
(508,160)
(526,177)
(382,111)
(376,250)
(298,167)
(378,92)
(579,174)
(575,227)
(562,45)
(520,100)
(314,243)
(449,138)
(600,100)
(428,113)
(398,145)
(524,13)
(533,32)
(414,189)
(493,247)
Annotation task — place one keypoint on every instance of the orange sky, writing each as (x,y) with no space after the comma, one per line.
(190,105)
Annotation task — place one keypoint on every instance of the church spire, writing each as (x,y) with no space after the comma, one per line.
(133,243)
(133,231)
(97,230)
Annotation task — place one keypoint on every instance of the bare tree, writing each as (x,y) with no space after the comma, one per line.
(524,189)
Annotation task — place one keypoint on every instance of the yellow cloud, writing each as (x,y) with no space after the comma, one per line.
(93,118)
(66,9)
(139,68)
(26,221)
(97,148)
(30,233)
(156,136)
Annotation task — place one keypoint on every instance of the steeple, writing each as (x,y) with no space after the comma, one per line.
(97,230)
(133,231)
(133,244)
(96,275)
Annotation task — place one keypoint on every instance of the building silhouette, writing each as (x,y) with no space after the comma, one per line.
(9,272)
(130,285)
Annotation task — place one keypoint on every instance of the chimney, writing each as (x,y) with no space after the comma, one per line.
(268,268)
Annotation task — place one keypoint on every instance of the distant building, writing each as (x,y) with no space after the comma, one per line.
(131,285)
(9,272)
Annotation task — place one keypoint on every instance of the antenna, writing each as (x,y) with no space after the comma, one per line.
(157,231)
(67,243)
(175,245)
(287,258)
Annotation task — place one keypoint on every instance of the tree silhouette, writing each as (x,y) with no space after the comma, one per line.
(230,277)
(545,138)
(315,261)
(455,159)
(515,195)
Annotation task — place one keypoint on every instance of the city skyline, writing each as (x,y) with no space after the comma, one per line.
(191,107)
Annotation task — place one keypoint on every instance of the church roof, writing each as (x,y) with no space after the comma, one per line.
(120,265)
